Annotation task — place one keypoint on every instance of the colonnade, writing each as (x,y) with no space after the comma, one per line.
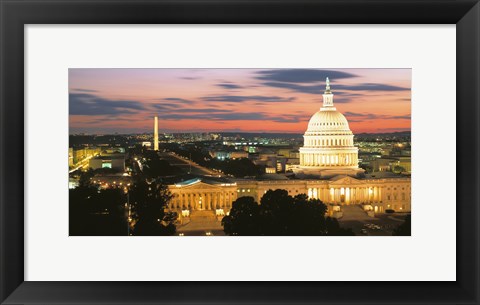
(346,194)
(336,159)
(202,200)
(327,142)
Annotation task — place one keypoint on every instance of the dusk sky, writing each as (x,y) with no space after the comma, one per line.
(234,100)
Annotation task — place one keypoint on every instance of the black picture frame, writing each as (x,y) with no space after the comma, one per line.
(17,13)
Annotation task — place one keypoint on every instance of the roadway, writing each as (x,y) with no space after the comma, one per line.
(356,219)
(188,166)
(82,164)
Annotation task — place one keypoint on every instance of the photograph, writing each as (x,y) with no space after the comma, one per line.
(239,152)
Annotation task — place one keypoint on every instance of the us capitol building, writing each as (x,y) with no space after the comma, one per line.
(328,171)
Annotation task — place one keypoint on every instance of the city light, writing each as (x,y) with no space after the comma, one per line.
(200,176)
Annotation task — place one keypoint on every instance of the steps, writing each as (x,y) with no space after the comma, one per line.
(202,215)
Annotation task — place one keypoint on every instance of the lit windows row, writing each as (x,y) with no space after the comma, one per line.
(330,124)
(329,142)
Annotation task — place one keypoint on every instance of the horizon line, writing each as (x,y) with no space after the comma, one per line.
(198,132)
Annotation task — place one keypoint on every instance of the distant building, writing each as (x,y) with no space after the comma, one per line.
(238,154)
(392,164)
(113,161)
(70,157)
(76,155)
(220,155)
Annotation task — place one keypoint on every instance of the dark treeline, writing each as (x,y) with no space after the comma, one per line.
(97,212)
(155,168)
(280,214)
(137,210)
(238,168)
(115,140)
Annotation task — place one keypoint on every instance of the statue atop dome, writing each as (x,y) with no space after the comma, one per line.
(327,88)
(328,96)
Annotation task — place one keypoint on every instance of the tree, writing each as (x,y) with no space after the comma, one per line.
(149,200)
(308,216)
(282,215)
(243,218)
(276,209)
(85,178)
(405,229)
(333,228)
(240,168)
(155,167)
(97,212)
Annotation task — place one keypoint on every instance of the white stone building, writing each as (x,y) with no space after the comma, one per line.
(328,171)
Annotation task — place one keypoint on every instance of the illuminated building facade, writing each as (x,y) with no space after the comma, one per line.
(197,195)
(112,161)
(328,143)
(328,171)
(379,193)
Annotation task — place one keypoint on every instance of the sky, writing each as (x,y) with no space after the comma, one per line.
(103,101)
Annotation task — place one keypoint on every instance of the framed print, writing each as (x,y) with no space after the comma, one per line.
(239,152)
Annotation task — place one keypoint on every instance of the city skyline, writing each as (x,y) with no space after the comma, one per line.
(103,101)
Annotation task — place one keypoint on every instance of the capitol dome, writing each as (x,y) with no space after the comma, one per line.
(327,121)
(328,141)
